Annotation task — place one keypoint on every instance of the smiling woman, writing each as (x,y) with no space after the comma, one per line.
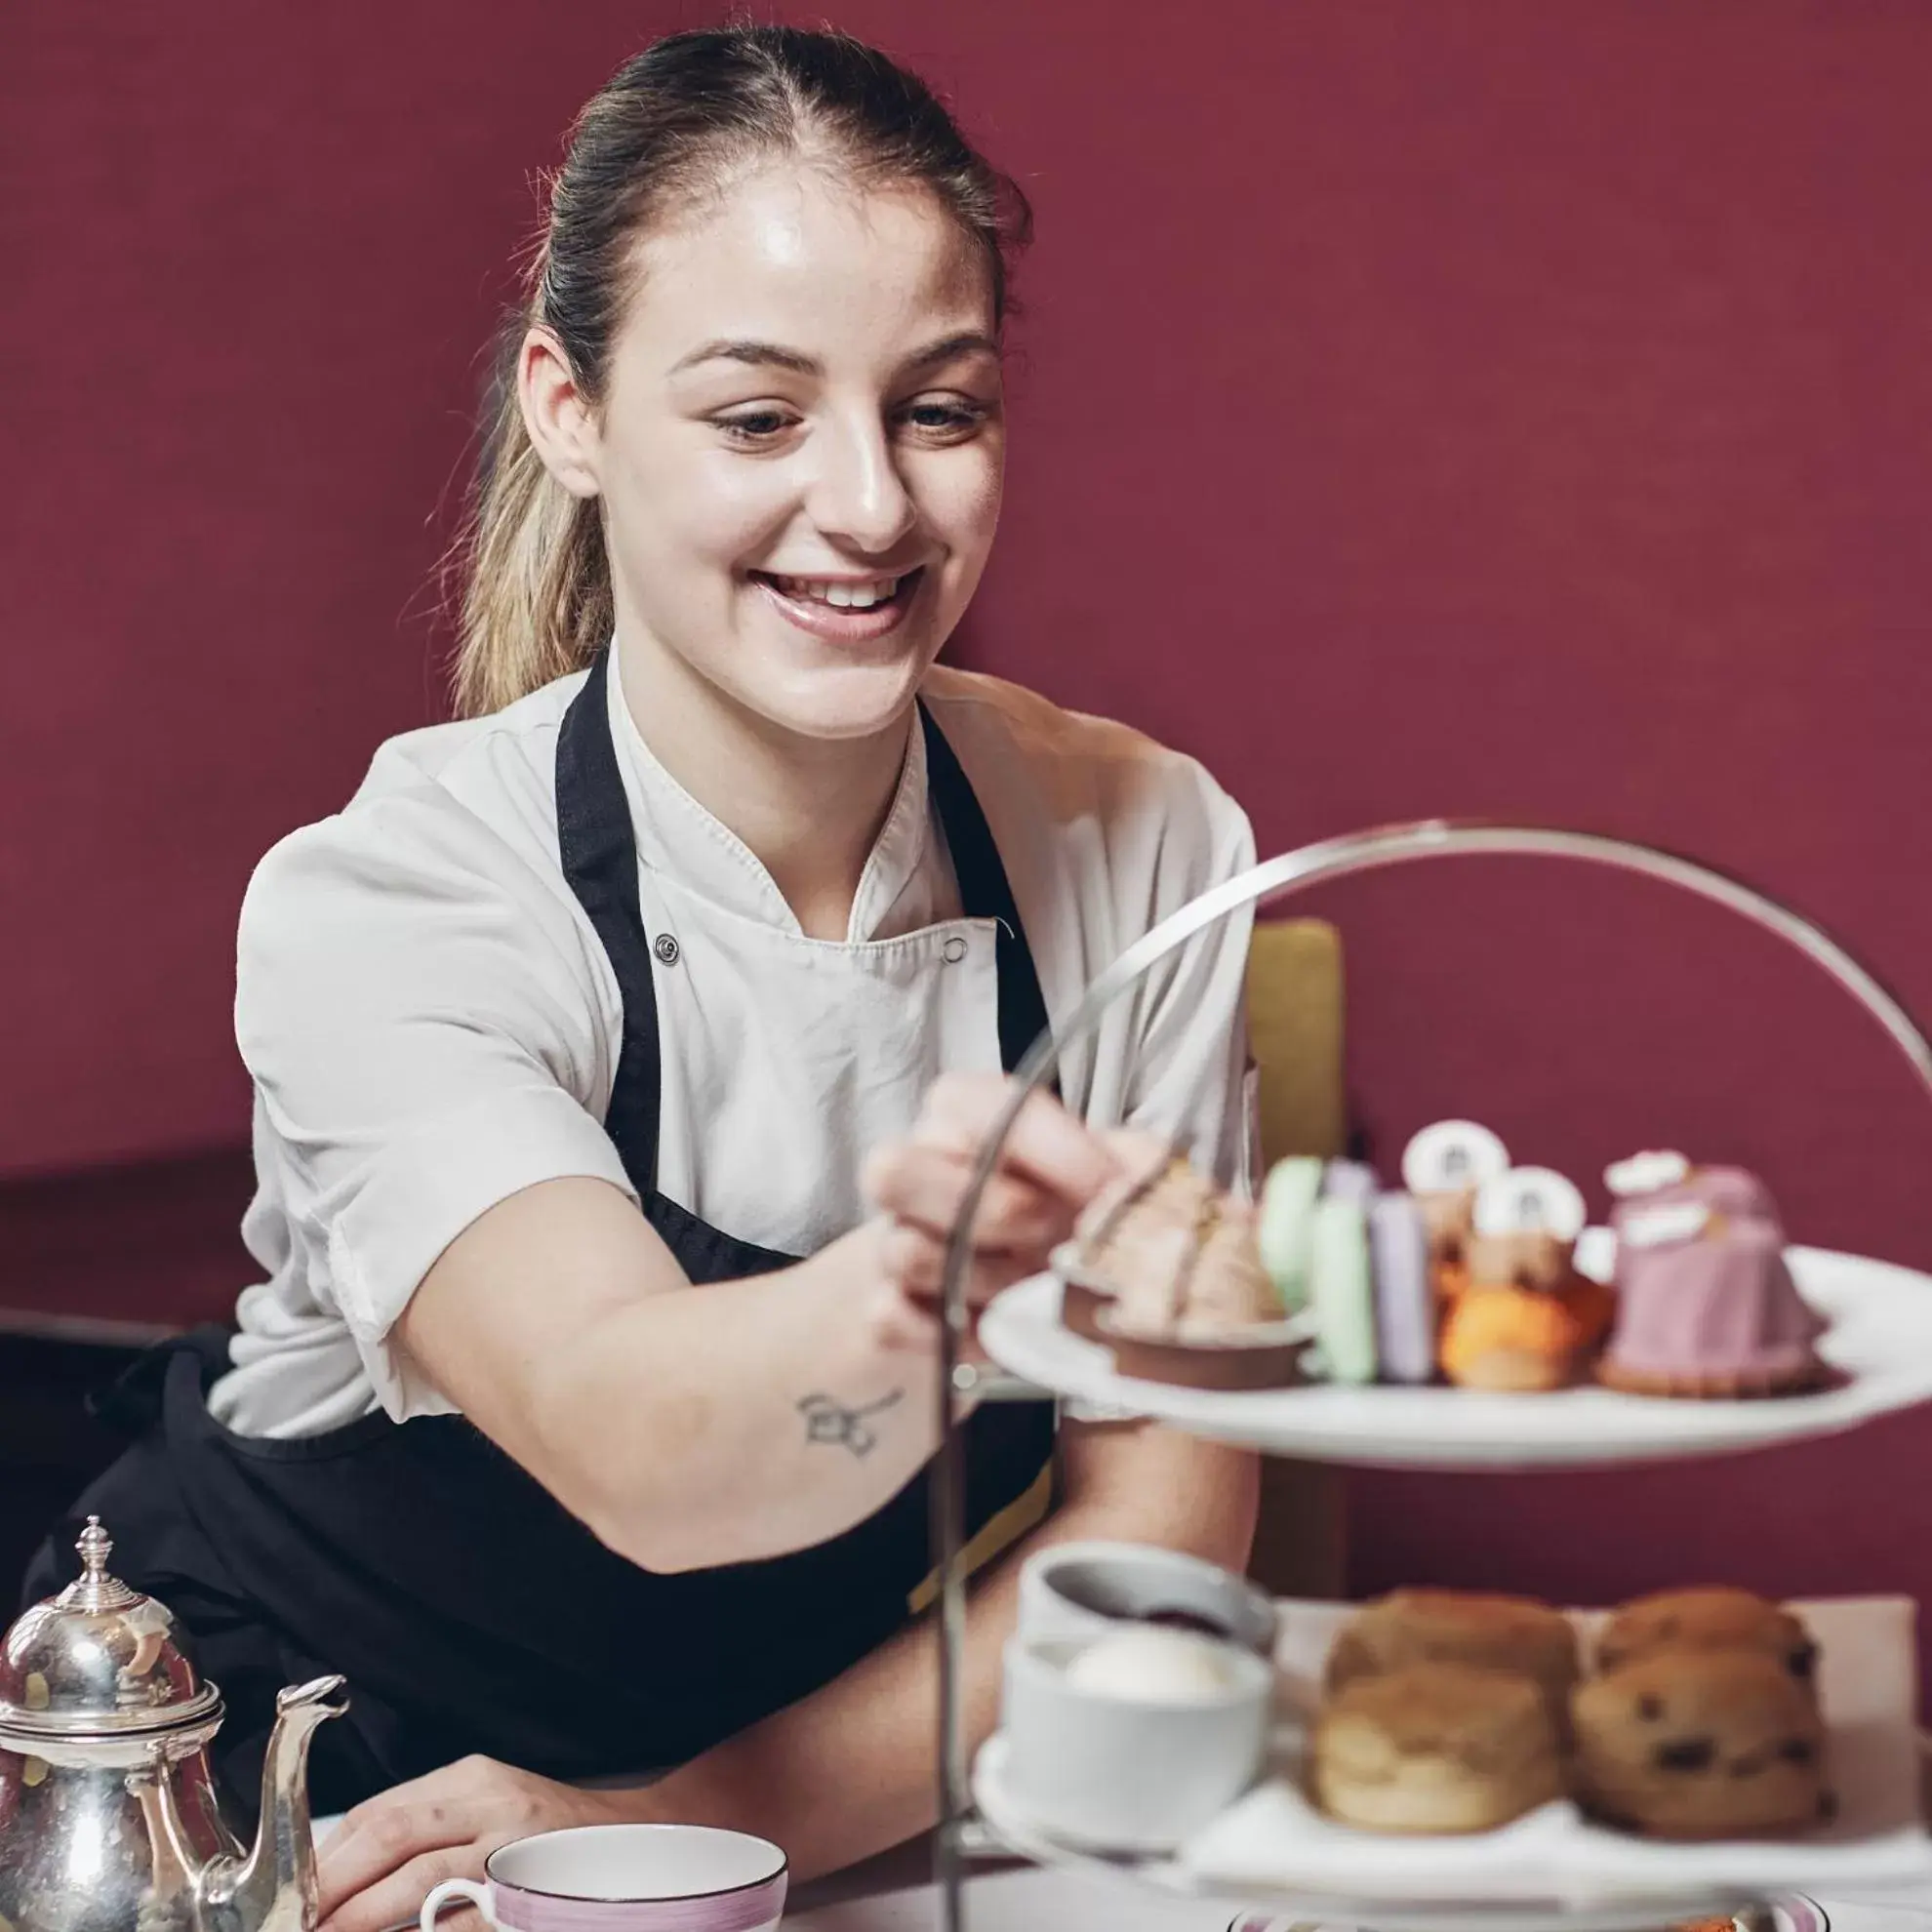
(620,1050)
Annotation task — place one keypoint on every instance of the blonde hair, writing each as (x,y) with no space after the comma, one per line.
(535,598)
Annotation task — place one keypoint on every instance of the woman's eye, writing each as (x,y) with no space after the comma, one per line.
(946,420)
(753,426)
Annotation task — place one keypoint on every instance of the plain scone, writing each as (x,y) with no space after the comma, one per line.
(1435,1749)
(1410,1627)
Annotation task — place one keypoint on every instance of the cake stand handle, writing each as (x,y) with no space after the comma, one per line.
(1369,851)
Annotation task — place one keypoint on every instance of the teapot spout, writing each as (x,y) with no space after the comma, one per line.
(273,1888)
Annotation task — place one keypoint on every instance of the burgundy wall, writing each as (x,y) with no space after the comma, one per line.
(1423,408)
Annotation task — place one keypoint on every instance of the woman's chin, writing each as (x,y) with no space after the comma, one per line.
(848,701)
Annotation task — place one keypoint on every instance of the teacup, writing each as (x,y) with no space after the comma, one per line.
(626,1879)
(1084,1589)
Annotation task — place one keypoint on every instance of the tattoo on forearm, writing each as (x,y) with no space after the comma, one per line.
(845,1428)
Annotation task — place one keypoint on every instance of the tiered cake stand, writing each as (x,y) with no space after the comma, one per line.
(1882,1336)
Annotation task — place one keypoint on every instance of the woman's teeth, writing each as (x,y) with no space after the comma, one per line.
(842,596)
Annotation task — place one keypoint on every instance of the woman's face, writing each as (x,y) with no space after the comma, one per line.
(800,448)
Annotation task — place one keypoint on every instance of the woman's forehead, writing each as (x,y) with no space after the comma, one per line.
(801,256)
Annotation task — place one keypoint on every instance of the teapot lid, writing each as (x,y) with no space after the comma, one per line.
(99,1659)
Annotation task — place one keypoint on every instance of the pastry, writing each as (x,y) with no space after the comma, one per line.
(1705,1305)
(1145,1206)
(1702,1743)
(1286,1228)
(1408,1627)
(1521,1341)
(1442,1167)
(1527,1320)
(1435,1747)
(1663,1176)
(1191,1303)
(1405,1296)
(1708,1619)
(1342,1298)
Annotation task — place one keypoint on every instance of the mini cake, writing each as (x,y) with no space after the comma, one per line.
(1664,1177)
(1183,1296)
(1702,1743)
(1435,1747)
(1145,1206)
(1527,1321)
(1708,1619)
(1706,1307)
(1442,1167)
(1513,1633)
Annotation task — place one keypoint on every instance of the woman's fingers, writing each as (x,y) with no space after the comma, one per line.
(383,1835)
(915,1261)
(1045,1141)
(926,1187)
(397,1899)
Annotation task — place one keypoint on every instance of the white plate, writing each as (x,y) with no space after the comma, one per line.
(1284,1912)
(1880,1337)
(1792,1914)
(1554,1868)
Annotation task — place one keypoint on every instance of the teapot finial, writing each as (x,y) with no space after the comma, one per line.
(95,1545)
(94,1589)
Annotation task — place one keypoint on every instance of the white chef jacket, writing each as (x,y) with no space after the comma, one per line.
(431,1024)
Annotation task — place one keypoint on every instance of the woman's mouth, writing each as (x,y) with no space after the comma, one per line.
(844,610)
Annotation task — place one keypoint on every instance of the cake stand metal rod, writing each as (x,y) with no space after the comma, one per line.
(1374,850)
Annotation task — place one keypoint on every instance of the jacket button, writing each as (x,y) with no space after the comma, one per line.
(666,948)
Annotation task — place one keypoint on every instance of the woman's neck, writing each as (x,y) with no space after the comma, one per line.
(809,810)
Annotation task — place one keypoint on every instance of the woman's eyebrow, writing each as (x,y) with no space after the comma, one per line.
(772,355)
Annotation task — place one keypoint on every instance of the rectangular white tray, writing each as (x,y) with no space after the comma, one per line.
(1275,1840)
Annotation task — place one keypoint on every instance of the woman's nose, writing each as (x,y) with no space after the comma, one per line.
(859,497)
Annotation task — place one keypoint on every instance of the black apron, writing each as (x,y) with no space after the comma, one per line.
(468,1609)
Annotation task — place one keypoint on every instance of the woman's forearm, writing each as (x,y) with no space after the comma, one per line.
(850,1770)
(689,1426)
(743,1418)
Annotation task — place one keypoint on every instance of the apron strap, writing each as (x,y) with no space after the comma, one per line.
(598,847)
(985,892)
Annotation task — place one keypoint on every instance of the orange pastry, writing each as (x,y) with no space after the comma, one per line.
(1524,1338)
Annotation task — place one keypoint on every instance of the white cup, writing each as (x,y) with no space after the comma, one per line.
(626,1879)
(1122,1773)
(1084,1589)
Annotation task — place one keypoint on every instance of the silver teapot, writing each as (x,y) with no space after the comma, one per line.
(107,1814)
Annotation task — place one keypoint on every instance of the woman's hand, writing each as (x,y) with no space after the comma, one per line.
(386,1854)
(1050,1167)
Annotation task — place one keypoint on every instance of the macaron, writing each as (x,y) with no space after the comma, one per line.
(1341,1291)
(1286,1228)
(1405,1296)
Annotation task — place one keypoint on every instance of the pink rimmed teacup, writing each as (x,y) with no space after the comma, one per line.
(626,1879)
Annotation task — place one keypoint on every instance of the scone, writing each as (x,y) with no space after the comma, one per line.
(1710,1619)
(1457,1626)
(1435,1747)
(1702,1743)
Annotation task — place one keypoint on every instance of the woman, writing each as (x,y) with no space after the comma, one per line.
(718,886)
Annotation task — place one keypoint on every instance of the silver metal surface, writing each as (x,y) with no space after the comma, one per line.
(99,1659)
(109,1821)
(1272,880)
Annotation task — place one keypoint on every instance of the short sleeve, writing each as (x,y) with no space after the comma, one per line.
(1191,1079)
(427,1031)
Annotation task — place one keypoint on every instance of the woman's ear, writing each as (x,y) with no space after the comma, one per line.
(562,426)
